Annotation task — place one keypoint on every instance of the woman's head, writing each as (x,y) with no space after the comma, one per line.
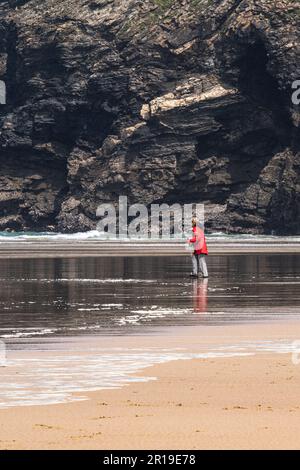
(194,221)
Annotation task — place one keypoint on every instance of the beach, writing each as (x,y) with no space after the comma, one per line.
(246,401)
(128,352)
(90,245)
(238,403)
(149,226)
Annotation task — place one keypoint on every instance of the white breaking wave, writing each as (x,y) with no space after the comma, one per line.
(36,236)
(96,235)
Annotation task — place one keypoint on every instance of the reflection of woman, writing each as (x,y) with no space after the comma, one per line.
(200,295)
(200,251)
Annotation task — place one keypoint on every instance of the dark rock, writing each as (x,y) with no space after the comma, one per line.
(162,101)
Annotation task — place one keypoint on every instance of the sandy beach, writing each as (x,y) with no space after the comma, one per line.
(149,227)
(237,403)
(129,353)
(246,402)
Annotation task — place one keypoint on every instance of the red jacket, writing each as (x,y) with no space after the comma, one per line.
(200,247)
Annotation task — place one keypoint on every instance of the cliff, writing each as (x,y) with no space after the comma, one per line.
(161,100)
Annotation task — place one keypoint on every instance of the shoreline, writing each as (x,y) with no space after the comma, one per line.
(204,403)
(211,404)
(211,385)
(73,248)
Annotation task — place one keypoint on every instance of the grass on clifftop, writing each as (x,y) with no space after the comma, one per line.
(161,13)
(164,4)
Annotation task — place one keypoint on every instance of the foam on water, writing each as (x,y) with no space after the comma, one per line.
(28,332)
(35,236)
(142,315)
(54,377)
(83,280)
(96,235)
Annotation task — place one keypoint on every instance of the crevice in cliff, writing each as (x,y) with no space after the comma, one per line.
(12,90)
(225,17)
(86,123)
(257,84)
(17,3)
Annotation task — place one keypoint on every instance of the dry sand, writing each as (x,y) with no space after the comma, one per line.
(225,403)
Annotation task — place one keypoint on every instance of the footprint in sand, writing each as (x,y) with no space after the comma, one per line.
(86,436)
(101,417)
(46,426)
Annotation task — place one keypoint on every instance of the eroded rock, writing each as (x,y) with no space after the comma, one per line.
(174,101)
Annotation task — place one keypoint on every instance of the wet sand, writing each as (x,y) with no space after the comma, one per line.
(233,383)
(91,248)
(47,298)
(246,402)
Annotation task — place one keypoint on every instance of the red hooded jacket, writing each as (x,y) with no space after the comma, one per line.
(200,246)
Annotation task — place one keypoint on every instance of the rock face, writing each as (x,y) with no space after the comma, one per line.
(160,100)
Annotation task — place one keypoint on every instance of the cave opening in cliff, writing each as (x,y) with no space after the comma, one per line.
(256,82)
(252,130)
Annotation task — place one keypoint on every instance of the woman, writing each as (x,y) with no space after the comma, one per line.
(200,251)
